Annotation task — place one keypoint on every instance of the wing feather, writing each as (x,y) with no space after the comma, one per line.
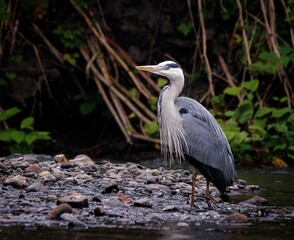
(206,142)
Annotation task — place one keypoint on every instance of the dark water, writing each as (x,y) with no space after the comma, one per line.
(277,186)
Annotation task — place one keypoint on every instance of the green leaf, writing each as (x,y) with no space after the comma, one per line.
(229,113)
(36,136)
(132,92)
(27,122)
(251,85)
(17,136)
(185,29)
(3,82)
(263,111)
(233,91)
(152,127)
(5,135)
(277,113)
(161,82)
(262,67)
(9,113)
(87,107)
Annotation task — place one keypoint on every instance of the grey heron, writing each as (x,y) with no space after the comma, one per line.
(189,131)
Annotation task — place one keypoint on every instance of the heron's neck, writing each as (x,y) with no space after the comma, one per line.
(171,130)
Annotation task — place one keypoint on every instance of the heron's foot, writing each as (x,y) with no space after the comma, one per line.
(209,199)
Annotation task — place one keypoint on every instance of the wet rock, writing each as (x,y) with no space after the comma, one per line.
(143,202)
(60,158)
(235,218)
(58,210)
(34,168)
(73,221)
(109,187)
(58,174)
(123,198)
(82,161)
(256,200)
(113,202)
(157,187)
(183,224)
(82,177)
(66,165)
(170,208)
(37,187)
(252,188)
(46,176)
(16,181)
(99,211)
(124,221)
(75,200)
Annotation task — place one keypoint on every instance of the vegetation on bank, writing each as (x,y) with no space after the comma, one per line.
(240,53)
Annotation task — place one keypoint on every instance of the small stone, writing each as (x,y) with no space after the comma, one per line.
(60,158)
(124,221)
(170,208)
(73,221)
(66,165)
(252,188)
(82,161)
(257,201)
(75,200)
(235,218)
(82,177)
(58,174)
(99,211)
(143,202)
(16,181)
(58,210)
(123,198)
(37,187)
(34,168)
(183,224)
(109,187)
(114,202)
(46,176)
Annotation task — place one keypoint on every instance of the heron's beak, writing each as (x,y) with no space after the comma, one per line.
(149,68)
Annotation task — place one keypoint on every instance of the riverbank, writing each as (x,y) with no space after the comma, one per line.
(53,191)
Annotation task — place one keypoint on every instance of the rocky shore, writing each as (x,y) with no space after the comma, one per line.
(53,191)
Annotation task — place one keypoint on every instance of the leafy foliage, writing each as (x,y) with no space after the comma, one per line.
(21,139)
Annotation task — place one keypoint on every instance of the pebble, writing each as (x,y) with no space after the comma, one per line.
(75,200)
(73,221)
(37,187)
(58,210)
(235,218)
(99,211)
(143,202)
(16,181)
(256,200)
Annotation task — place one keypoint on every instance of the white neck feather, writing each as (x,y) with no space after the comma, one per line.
(172,134)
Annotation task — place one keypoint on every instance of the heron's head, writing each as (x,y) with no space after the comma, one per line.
(168,69)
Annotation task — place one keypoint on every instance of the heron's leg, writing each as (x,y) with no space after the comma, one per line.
(193,187)
(210,198)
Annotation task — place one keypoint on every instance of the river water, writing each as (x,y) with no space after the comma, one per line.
(277,186)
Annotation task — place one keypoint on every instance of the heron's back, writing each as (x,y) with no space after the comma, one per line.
(207,147)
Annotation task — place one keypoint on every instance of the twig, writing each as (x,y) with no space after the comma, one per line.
(245,39)
(204,49)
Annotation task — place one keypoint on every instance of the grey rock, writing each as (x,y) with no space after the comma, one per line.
(37,187)
(256,200)
(99,211)
(73,221)
(75,200)
(143,202)
(16,181)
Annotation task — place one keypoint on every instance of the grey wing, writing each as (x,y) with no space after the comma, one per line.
(206,142)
